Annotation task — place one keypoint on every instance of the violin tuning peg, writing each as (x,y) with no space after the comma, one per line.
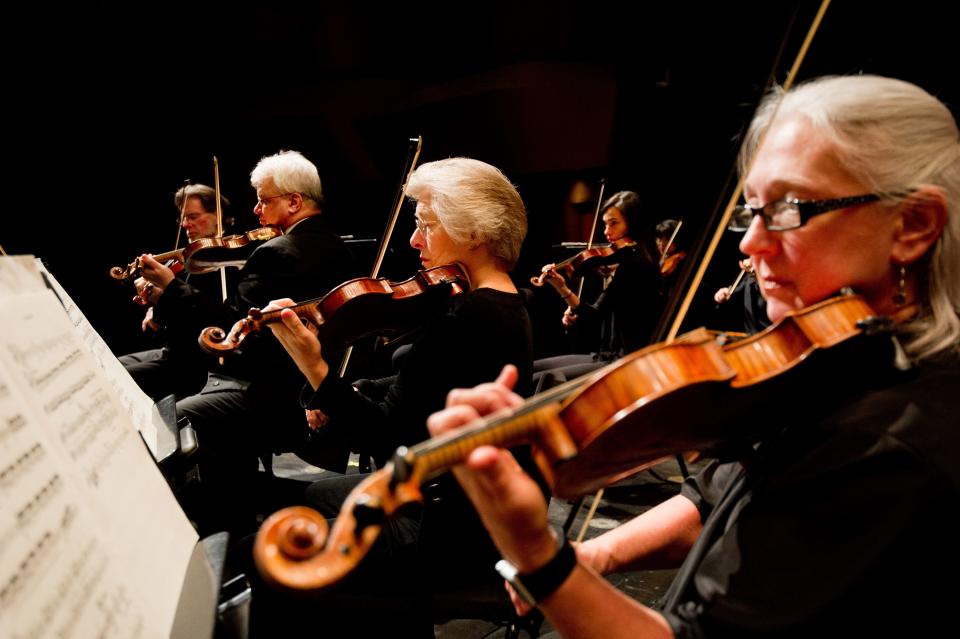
(368,511)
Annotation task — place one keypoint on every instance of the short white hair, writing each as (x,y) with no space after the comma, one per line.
(475,202)
(291,173)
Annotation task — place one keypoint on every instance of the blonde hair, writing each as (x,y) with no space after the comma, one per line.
(474,202)
(893,136)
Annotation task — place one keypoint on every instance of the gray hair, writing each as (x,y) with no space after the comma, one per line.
(204,193)
(291,173)
(893,136)
(475,202)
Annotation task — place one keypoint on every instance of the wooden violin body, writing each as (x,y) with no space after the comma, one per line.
(355,309)
(206,254)
(587,260)
(686,395)
(671,262)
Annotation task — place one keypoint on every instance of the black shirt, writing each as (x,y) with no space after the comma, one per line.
(630,304)
(468,345)
(482,331)
(844,524)
(303,264)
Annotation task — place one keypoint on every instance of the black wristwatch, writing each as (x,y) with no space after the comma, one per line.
(542,582)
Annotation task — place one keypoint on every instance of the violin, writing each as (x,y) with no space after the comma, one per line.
(355,309)
(586,260)
(684,395)
(204,255)
(671,262)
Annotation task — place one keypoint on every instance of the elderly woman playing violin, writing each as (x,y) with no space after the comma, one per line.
(467,212)
(839,518)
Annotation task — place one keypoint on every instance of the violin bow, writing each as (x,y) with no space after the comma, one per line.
(735,196)
(216,189)
(738,189)
(183,213)
(414,146)
(673,236)
(593,227)
(736,282)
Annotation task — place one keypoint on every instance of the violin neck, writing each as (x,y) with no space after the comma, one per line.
(308,310)
(535,422)
(566,262)
(176,254)
(435,456)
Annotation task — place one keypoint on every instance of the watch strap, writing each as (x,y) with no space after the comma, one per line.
(541,583)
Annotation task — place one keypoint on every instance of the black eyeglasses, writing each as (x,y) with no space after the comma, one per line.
(784,215)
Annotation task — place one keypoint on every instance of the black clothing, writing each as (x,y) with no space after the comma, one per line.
(841,524)
(250,406)
(160,372)
(628,310)
(745,310)
(180,366)
(443,545)
(629,305)
(755,317)
(483,330)
(304,263)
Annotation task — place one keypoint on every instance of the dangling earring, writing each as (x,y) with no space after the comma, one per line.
(900,297)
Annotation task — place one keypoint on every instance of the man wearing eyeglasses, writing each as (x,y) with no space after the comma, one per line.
(198,215)
(179,367)
(250,405)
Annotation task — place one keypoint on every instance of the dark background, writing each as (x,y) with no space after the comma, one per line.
(111,106)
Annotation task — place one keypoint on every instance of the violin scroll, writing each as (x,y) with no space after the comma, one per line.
(170,259)
(294,550)
(289,537)
(121,273)
(215,340)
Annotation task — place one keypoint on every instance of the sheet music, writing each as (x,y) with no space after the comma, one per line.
(18,275)
(141,409)
(92,542)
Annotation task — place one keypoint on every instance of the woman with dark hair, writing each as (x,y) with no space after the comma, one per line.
(628,307)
